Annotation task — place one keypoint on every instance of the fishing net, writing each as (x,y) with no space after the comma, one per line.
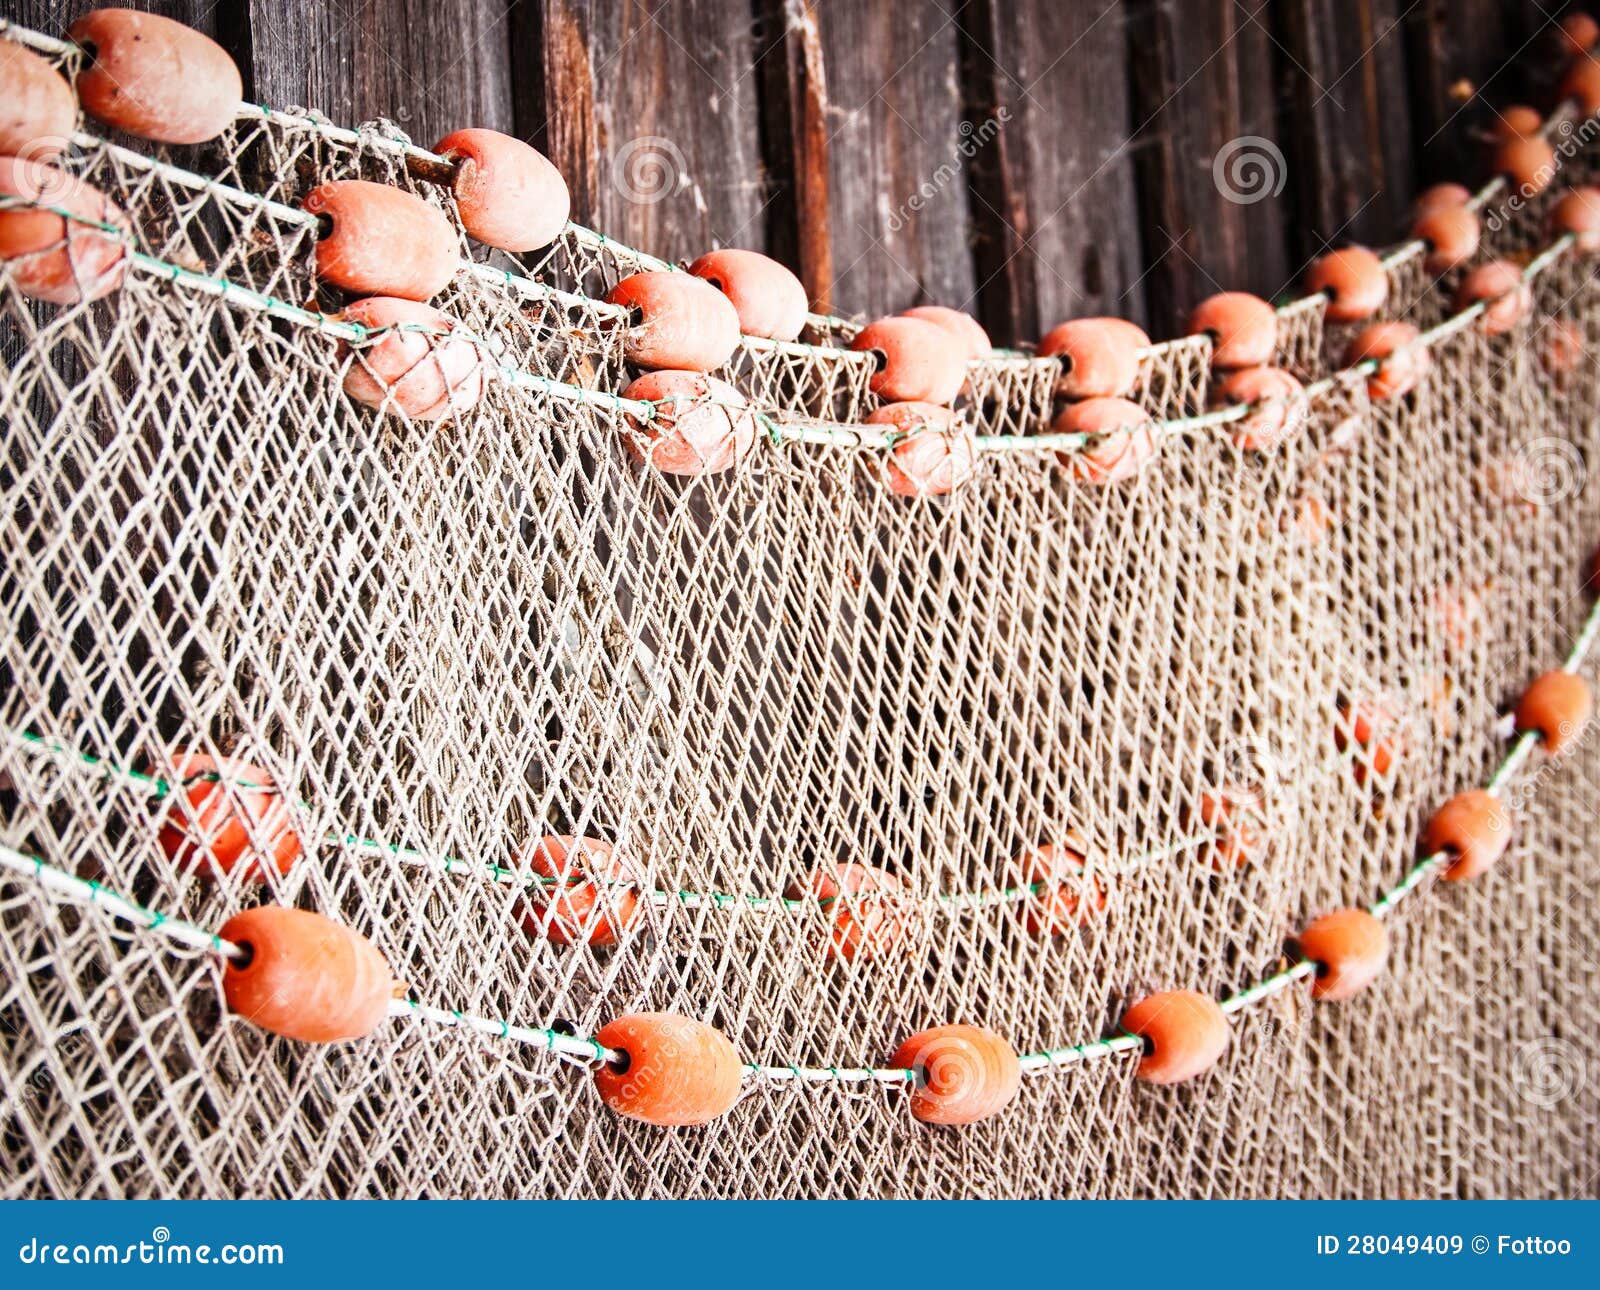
(445,640)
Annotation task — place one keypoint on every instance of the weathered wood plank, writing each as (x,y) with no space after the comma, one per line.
(1461,69)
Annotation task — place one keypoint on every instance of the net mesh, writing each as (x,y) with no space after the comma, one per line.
(453,638)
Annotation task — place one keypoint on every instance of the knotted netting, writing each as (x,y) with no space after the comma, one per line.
(444,640)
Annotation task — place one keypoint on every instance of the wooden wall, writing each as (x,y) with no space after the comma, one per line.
(1029,159)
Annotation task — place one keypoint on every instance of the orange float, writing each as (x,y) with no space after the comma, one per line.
(592,896)
(768,299)
(1474,827)
(1185,1033)
(1451,233)
(230,818)
(1372,728)
(508,194)
(1579,32)
(701,426)
(1281,412)
(1350,948)
(673,1071)
(1353,279)
(1530,163)
(1563,348)
(1100,357)
(867,908)
(1066,892)
(40,112)
(1581,84)
(1238,813)
(963,328)
(1517,121)
(1499,283)
(960,1074)
(936,456)
(379,241)
(1121,444)
(412,364)
(681,322)
(918,361)
(68,245)
(304,976)
(1243,329)
(1402,359)
(1556,706)
(154,77)
(1439,197)
(1577,211)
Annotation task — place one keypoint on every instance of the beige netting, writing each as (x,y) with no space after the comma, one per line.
(452,638)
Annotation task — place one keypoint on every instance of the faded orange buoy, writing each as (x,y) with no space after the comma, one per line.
(1184,1033)
(1563,348)
(682,322)
(1375,731)
(1309,519)
(959,1074)
(1518,121)
(1122,443)
(966,330)
(674,1070)
(701,425)
(40,111)
(1579,32)
(305,977)
(1243,329)
(508,194)
(767,298)
(1474,827)
(1530,163)
(1353,279)
(1238,813)
(1439,197)
(78,254)
(592,893)
(1451,233)
(154,77)
(936,456)
(1099,356)
(1577,211)
(919,362)
(1581,84)
(380,241)
(1557,706)
(1280,413)
(867,908)
(1401,357)
(1350,948)
(412,364)
(1066,892)
(1499,282)
(232,817)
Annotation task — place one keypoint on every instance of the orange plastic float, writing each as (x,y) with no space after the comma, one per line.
(1474,827)
(966,330)
(1579,32)
(674,1070)
(1353,279)
(154,77)
(1563,348)
(937,456)
(305,977)
(1309,519)
(1350,948)
(919,361)
(231,818)
(1578,212)
(593,895)
(1451,233)
(1184,1033)
(1099,356)
(40,111)
(768,299)
(63,258)
(1238,813)
(379,241)
(960,1074)
(1581,84)
(1066,894)
(1529,163)
(867,908)
(1557,706)
(507,193)
(1518,121)
(413,365)
(1375,731)
(1439,197)
(1510,299)
(701,425)
(1243,329)
(683,322)
(1282,411)
(1401,359)
(1123,443)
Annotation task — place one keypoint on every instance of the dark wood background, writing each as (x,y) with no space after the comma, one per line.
(806,127)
